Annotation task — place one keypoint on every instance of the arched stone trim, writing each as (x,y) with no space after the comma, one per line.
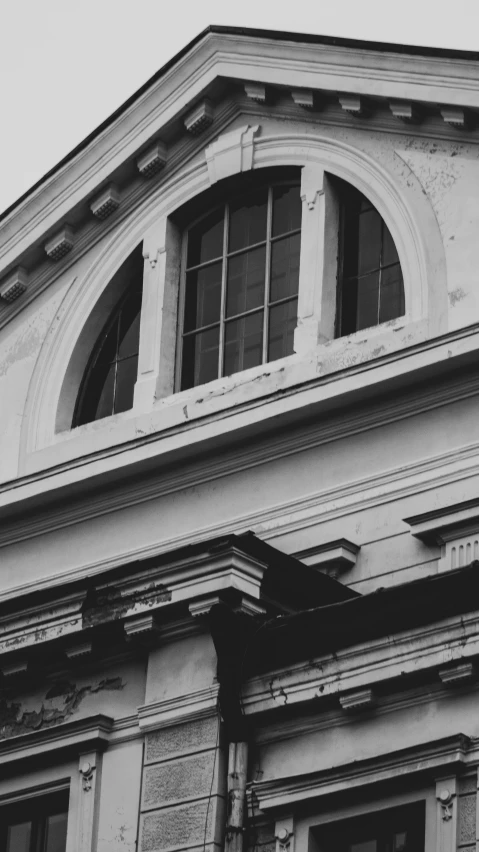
(314,150)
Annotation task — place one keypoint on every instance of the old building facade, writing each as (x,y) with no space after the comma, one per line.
(239,325)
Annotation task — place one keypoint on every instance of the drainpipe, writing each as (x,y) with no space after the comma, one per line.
(237,773)
(229,638)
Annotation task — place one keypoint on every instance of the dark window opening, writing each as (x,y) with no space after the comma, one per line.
(109,381)
(371,288)
(397,830)
(36,825)
(241,287)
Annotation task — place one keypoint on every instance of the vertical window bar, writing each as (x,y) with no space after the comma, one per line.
(224,273)
(267,275)
(117,347)
(380,281)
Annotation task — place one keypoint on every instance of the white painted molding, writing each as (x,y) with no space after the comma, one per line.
(231,153)
(79,735)
(357,700)
(153,160)
(443,754)
(106,202)
(248,606)
(17,668)
(140,625)
(13,286)
(200,118)
(457,675)
(352,104)
(200,608)
(340,554)
(303,98)
(78,651)
(405,111)
(183,708)
(455,117)
(255,92)
(60,244)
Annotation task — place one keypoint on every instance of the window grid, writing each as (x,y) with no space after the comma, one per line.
(132,294)
(225,259)
(350,200)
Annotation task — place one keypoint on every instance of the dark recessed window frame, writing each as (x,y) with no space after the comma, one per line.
(370,288)
(397,829)
(188,368)
(38,824)
(110,376)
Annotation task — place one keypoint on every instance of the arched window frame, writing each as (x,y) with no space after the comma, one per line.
(413,227)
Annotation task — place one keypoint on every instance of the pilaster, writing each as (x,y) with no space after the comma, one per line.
(446,820)
(85,793)
(318,261)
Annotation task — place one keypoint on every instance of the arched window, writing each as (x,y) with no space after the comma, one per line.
(371,289)
(109,380)
(240,283)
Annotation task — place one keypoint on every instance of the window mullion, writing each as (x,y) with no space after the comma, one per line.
(267,276)
(223,291)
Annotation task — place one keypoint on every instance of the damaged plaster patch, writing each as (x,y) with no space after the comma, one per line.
(456,296)
(109,604)
(14,722)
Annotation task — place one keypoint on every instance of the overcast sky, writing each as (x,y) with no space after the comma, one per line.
(65,66)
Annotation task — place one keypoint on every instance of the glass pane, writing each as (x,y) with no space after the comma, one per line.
(126,373)
(18,837)
(245,281)
(389,253)
(391,304)
(368,301)
(200,358)
(107,352)
(100,389)
(399,841)
(284,268)
(56,833)
(248,220)
(282,322)
(243,343)
(205,240)
(365,846)
(203,297)
(129,336)
(349,305)
(286,209)
(369,241)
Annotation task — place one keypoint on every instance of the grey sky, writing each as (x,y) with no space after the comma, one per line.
(66,66)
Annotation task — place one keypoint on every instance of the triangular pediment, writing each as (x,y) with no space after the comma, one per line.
(223,73)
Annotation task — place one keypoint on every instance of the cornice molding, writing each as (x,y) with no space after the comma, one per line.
(361,667)
(434,757)
(92,732)
(368,492)
(243,59)
(183,708)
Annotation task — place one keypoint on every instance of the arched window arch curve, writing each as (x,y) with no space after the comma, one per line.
(57,374)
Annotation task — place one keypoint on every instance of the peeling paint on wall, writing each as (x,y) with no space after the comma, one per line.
(14,721)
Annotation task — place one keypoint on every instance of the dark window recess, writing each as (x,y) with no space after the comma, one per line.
(36,825)
(371,289)
(396,830)
(109,381)
(241,284)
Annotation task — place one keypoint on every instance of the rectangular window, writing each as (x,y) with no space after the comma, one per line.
(35,825)
(396,830)
(241,284)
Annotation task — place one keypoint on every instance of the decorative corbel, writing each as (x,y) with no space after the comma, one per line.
(284,835)
(86,771)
